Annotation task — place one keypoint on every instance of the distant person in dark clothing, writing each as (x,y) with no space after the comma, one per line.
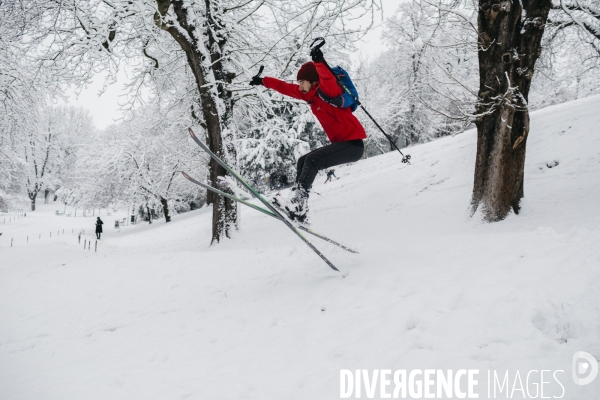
(330,173)
(99,224)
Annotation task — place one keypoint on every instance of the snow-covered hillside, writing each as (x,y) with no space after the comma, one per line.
(157,313)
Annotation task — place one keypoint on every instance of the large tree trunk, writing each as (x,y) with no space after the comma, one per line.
(509,46)
(209,75)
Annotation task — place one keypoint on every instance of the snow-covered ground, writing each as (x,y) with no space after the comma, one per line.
(157,313)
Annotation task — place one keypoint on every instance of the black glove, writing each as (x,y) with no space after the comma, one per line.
(317,55)
(256,80)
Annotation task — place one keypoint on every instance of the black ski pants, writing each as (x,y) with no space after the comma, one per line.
(326,157)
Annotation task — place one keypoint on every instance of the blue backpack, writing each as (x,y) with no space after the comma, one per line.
(345,100)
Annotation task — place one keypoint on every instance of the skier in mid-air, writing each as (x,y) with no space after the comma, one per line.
(318,86)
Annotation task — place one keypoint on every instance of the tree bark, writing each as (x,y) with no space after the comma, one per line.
(509,46)
(215,118)
(32,197)
(165,207)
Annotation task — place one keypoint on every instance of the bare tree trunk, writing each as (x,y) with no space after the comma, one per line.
(509,46)
(165,206)
(214,32)
(32,196)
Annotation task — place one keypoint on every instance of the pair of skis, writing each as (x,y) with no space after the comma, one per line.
(270,211)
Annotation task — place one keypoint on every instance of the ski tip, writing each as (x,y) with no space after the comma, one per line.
(191,132)
(184,174)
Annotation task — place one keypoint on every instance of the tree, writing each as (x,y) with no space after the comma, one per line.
(509,37)
(269,153)
(22,92)
(509,40)
(50,146)
(571,56)
(416,87)
(140,161)
(581,15)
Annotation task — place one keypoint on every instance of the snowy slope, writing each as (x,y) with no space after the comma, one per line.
(159,314)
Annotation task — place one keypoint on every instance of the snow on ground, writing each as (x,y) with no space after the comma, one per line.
(157,313)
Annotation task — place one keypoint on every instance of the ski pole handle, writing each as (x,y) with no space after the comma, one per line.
(318,46)
(260,71)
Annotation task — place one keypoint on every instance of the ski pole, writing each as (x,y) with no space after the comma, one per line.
(405,158)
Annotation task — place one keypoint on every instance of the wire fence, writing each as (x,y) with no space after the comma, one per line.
(87,242)
(13,215)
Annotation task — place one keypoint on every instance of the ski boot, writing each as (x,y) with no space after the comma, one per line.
(296,206)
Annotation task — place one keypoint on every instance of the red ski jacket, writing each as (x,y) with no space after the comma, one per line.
(339,124)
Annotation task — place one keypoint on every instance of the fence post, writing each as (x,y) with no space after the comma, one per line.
(50,234)
(84,242)
(11,239)
(96,247)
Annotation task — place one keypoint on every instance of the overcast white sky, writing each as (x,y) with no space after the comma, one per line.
(105,108)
